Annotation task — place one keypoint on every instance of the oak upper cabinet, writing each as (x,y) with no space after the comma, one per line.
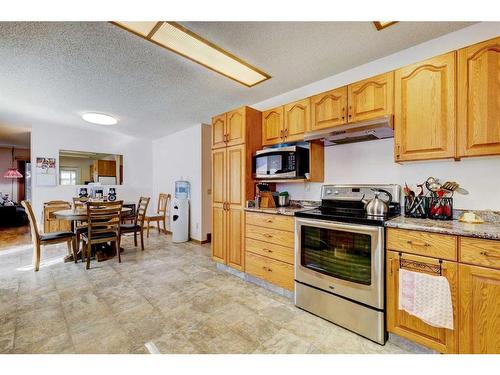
(479,310)
(235,127)
(329,109)
(228,129)
(219,131)
(403,324)
(424,117)
(478,102)
(273,126)
(371,98)
(297,120)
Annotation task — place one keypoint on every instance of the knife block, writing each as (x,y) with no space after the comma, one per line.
(267,199)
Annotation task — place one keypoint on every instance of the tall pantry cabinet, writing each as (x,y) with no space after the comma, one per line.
(236,135)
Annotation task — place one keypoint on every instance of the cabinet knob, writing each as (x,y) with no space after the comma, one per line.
(269,251)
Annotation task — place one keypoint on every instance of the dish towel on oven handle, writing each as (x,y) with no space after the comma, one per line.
(427,297)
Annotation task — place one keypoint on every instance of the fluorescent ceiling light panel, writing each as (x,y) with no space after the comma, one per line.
(184,42)
(380,25)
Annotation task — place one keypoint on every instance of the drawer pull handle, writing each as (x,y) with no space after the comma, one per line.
(417,243)
(269,251)
(269,220)
(267,269)
(268,235)
(486,254)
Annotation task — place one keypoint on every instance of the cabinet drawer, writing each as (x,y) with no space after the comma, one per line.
(481,252)
(422,243)
(278,252)
(270,235)
(280,222)
(273,271)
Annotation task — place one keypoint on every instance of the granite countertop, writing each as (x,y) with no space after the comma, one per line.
(288,211)
(487,230)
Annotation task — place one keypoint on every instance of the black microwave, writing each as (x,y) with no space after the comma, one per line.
(281,162)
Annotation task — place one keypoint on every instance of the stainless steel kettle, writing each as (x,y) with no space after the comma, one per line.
(377,206)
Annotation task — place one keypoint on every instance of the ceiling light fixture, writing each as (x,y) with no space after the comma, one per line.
(383,24)
(184,42)
(99,118)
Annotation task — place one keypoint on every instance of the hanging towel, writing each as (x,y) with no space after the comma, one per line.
(427,297)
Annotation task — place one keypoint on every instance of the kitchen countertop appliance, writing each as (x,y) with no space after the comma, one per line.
(339,258)
(287,162)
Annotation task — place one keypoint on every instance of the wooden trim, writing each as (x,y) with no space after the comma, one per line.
(202,40)
(208,240)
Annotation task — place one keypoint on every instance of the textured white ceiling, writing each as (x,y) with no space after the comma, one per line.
(52,71)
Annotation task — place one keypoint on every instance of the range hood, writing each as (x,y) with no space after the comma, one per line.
(368,130)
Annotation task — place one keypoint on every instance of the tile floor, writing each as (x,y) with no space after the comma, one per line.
(170,296)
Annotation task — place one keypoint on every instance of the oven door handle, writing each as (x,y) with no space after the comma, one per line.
(334,225)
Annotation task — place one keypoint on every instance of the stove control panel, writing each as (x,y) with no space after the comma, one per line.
(358,192)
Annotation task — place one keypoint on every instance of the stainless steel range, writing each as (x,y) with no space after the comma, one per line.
(339,258)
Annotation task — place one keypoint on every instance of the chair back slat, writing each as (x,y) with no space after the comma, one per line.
(142,208)
(35,235)
(163,203)
(79,201)
(104,217)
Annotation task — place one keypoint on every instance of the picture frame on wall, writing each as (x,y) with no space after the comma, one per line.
(46,173)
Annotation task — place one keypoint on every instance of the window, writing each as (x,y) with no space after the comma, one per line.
(67,177)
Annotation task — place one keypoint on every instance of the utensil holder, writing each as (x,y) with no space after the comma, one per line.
(441,208)
(417,207)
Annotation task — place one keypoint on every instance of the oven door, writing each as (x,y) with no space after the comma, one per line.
(343,259)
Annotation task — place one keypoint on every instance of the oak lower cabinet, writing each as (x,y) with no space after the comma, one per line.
(269,249)
(472,267)
(479,310)
(425,109)
(231,182)
(403,324)
(478,104)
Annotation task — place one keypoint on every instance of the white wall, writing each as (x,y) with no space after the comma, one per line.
(373,162)
(180,156)
(47,140)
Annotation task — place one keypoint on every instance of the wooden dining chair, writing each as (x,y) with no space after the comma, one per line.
(79,202)
(50,222)
(46,238)
(103,225)
(138,225)
(161,213)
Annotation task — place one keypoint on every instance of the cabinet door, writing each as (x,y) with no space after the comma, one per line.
(272,126)
(235,172)
(408,326)
(478,99)
(297,120)
(424,121)
(235,127)
(479,310)
(371,98)
(219,131)
(219,186)
(329,109)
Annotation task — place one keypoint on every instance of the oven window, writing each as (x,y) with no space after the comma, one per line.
(340,254)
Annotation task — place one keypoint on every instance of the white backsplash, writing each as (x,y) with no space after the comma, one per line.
(373,162)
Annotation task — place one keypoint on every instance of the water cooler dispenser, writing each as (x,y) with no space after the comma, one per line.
(179,216)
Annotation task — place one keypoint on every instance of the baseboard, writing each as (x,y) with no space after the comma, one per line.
(200,242)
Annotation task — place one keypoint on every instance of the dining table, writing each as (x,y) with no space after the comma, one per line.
(80,214)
